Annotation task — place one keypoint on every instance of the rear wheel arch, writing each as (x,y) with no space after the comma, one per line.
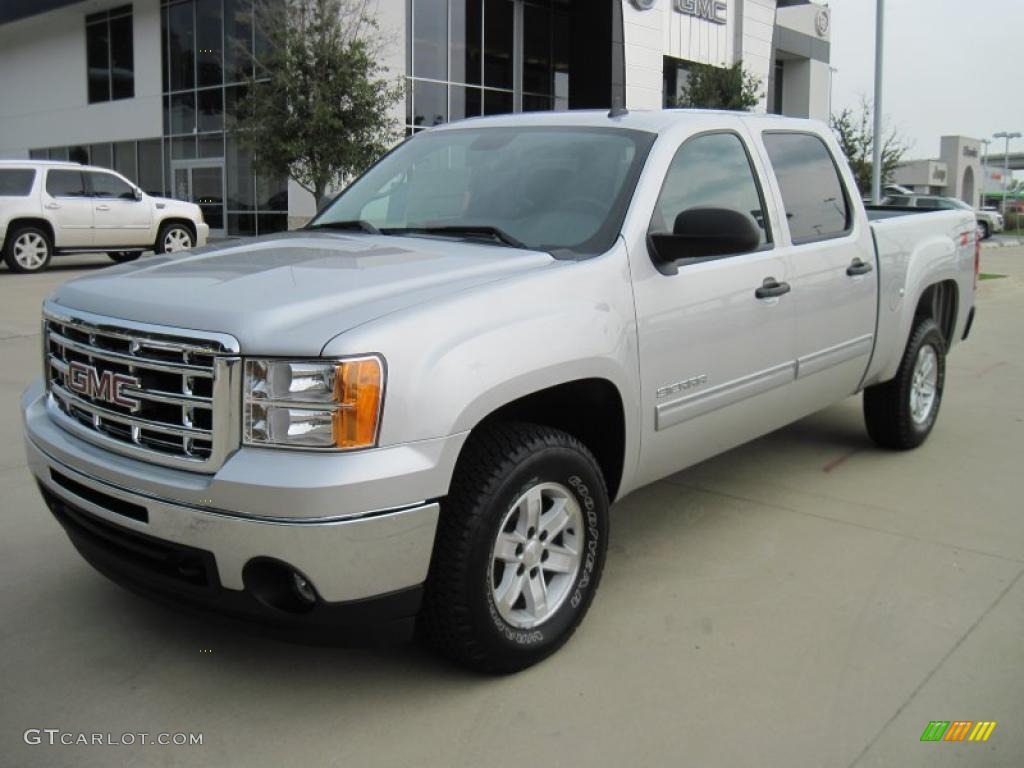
(939,302)
(28,221)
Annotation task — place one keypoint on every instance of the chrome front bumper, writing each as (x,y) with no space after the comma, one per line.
(347,557)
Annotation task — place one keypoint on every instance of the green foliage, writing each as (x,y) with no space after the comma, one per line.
(709,87)
(318,109)
(855,133)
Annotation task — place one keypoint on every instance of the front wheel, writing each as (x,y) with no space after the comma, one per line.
(519,551)
(901,413)
(986,231)
(174,237)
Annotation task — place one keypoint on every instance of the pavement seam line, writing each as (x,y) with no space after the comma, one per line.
(936,668)
(862,526)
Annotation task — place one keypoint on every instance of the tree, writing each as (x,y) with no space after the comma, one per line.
(856,136)
(318,109)
(709,87)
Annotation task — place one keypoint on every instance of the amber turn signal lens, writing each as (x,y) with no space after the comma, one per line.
(357,391)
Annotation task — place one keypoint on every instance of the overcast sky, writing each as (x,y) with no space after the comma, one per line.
(951,67)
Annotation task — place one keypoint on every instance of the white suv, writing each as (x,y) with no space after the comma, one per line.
(55,207)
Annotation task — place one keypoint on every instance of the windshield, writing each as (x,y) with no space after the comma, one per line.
(563,190)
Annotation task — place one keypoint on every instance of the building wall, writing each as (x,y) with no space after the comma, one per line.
(43,90)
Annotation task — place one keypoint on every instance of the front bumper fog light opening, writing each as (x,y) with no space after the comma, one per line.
(279,586)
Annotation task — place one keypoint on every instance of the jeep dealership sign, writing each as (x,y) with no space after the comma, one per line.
(709,10)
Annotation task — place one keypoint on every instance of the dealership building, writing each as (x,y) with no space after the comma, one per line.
(149,87)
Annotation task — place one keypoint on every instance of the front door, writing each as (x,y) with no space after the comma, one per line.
(202,182)
(716,353)
(119,218)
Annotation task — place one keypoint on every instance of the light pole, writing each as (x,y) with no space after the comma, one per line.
(984,170)
(1006,161)
(876,144)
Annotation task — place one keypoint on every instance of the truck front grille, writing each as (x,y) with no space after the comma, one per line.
(145,391)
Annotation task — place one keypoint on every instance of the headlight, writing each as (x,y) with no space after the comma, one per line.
(327,404)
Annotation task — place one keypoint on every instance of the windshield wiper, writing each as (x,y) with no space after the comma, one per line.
(357,224)
(466,230)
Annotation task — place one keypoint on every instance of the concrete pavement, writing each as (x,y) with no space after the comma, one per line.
(804,600)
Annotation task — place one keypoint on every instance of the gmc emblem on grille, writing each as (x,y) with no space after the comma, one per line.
(108,386)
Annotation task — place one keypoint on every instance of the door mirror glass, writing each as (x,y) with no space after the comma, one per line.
(705,232)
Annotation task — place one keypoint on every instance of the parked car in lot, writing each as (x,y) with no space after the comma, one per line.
(48,208)
(990,222)
(417,411)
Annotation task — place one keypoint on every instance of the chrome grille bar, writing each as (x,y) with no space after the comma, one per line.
(173,391)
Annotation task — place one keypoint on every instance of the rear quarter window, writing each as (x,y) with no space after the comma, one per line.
(16,182)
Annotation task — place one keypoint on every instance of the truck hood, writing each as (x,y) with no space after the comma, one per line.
(289,294)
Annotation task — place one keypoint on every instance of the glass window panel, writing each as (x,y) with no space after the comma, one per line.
(533,102)
(210,109)
(497,102)
(241,182)
(58,153)
(97,45)
(267,223)
(237,40)
(38,154)
(272,193)
(125,160)
(465,102)
(101,155)
(241,224)
(16,182)
(108,185)
(79,154)
(209,55)
(211,145)
(233,95)
(430,101)
(150,167)
(122,58)
(183,112)
(812,192)
(183,148)
(181,44)
(65,184)
(498,43)
(164,52)
(536,49)
(430,39)
(713,171)
(466,62)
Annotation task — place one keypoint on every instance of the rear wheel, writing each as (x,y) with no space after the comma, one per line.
(901,413)
(986,231)
(519,550)
(28,249)
(174,237)
(123,256)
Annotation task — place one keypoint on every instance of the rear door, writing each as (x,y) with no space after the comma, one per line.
(120,219)
(716,361)
(68,207)
(835,277)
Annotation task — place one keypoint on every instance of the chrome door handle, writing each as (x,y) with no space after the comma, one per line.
(102,207)
(53,206)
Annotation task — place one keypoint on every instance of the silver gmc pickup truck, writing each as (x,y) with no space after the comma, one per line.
(414,413)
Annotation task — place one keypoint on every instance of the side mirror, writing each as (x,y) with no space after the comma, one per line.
(138,193)
(702,233)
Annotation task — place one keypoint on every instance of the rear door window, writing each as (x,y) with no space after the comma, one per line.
(16,182)
(65,184)
(815,200)
(928,202)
